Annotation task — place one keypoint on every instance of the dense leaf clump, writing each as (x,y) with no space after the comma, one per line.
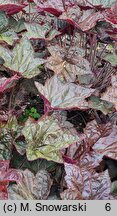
(58,99)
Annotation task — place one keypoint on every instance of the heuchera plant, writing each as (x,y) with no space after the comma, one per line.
(58,99)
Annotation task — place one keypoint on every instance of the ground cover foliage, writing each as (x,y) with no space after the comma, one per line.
(58,99)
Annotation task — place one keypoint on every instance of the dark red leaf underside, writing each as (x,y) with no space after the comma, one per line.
(11,9)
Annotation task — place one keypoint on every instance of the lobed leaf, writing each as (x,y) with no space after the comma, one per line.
(46,138)
(90,21)
(17,25)
(71,15)
(64,95)
(21,59)
(82,19)
(31,187)
(36,31)
(68,64)
(88,184)
(98,140)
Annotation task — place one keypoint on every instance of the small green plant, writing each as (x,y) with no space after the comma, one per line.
(32,112)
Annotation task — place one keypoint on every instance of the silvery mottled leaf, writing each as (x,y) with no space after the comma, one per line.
(46,138)
(64,95)
(107,144)
(37,31)
(111,93)
(104,3)
(17,25)
(31,187)
(9,37)
(102,105)
(72,15)
(21,59)
(10,131)
(3,21)
(68,64)
(6,142)
(90,21)
(97,141)
(71,194)
(91,185)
